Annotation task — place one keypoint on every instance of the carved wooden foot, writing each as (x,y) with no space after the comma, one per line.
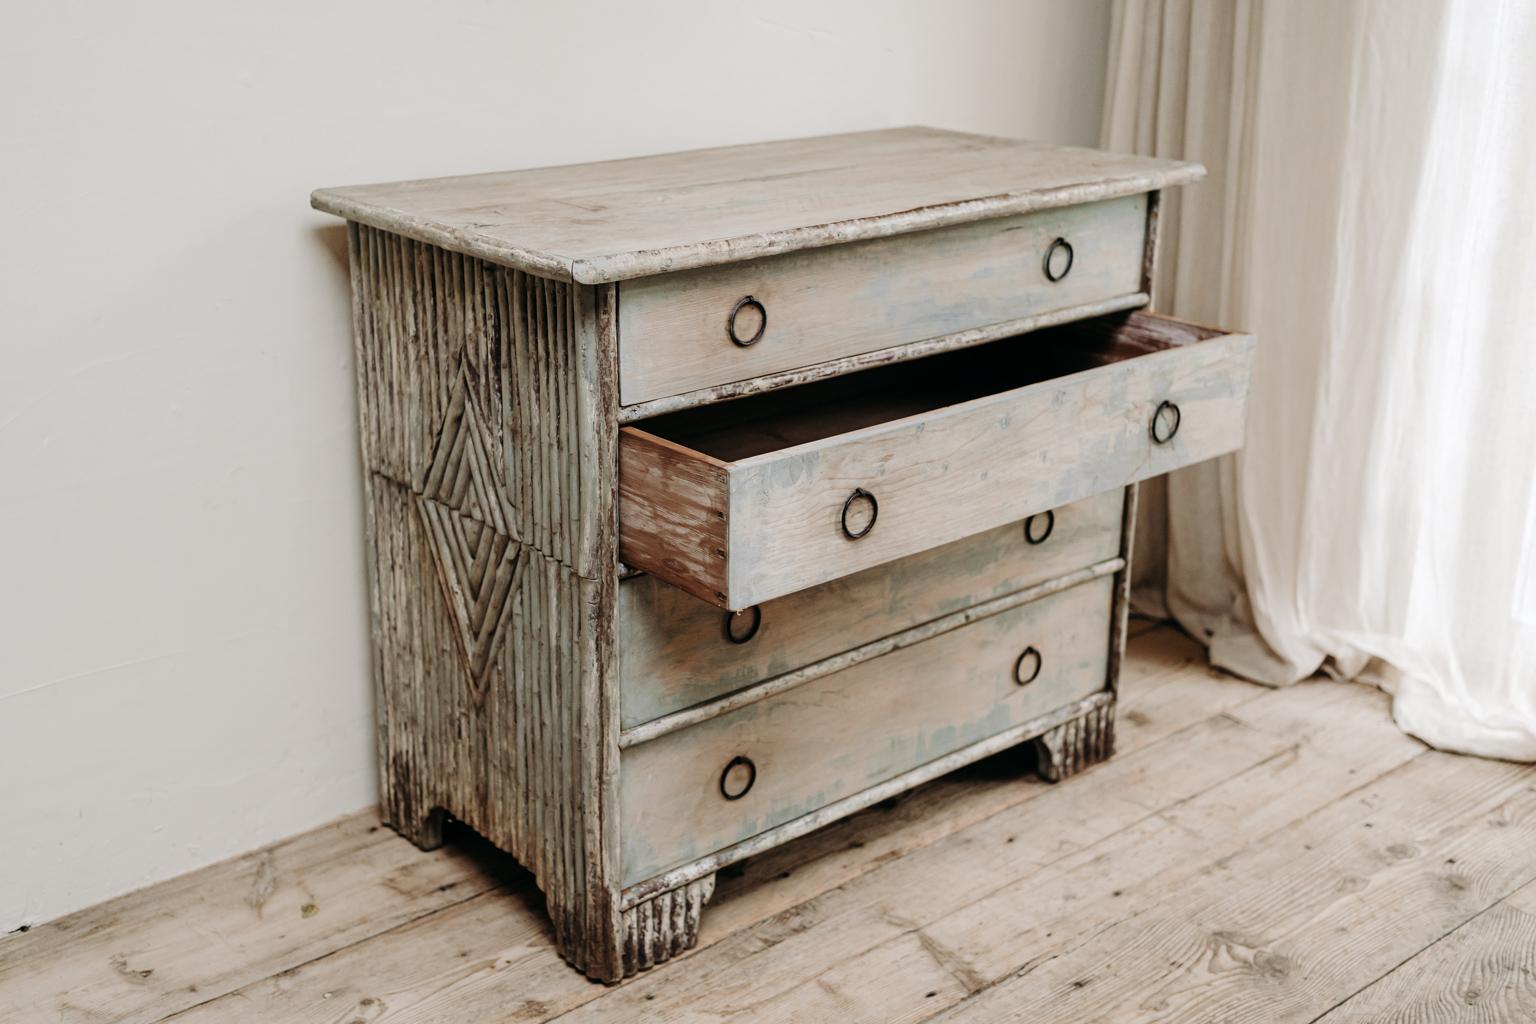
(425,831)
(1080,743)
(664,925)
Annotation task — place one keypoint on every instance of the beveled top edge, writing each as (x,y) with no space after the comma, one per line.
(621,219)
(468,242)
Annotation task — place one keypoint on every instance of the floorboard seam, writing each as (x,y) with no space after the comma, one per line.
(338,949)
(1138,913)
(1148,816)
(1496,902)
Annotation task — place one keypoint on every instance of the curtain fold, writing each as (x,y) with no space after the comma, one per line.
(1369,214)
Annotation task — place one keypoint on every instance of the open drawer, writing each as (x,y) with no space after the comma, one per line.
(746,501)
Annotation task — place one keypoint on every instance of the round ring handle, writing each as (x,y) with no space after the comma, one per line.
(738,778)
(1030,659)
(762,322)
(860,493)
(755,620)
(1165,422)
(1034,536)
(1060,245)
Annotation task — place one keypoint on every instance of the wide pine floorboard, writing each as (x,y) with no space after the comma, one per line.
(1248,855)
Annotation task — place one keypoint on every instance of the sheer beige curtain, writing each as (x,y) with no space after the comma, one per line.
(1371,215)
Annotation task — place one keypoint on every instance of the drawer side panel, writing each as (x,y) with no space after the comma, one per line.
(674,509)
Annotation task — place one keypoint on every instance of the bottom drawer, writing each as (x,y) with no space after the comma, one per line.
(692,792)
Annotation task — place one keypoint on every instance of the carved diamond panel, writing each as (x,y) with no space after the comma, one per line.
(467,520)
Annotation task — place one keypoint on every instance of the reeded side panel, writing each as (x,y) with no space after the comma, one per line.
(487,427)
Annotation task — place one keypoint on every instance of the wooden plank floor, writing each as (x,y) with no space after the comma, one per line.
(1248,855)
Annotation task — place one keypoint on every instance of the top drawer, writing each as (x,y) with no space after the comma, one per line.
(697,329)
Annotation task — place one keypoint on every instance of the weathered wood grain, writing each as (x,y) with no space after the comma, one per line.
(492,958)
(1076,744)
(929,699)
(846,300)
(1324,907)
(1149,253)
(675,653)
(666,925)
(1484,971)
(1005,931)
(674,514)
(1120,626)
(604,222)
(156,952)
(489,441)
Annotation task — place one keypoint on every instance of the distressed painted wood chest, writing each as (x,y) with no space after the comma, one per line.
(715,496)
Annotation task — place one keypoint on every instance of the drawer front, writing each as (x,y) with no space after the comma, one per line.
(841,734)
(822,304)
(675,650)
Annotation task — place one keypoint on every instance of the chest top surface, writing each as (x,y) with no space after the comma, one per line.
(603,222)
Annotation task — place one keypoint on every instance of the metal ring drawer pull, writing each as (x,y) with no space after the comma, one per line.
(1033,659)
(1065,246)
(1029,527)
(1165,422)
(734,783)
(755,620)
(762,322)
(874,513)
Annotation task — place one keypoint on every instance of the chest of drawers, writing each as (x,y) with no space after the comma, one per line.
(717,495)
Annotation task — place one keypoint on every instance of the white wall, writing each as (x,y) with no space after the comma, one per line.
(183,635)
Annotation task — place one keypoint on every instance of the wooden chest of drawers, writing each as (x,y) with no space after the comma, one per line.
(714,496)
